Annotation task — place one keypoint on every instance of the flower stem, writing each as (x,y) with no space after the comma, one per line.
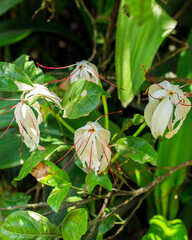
(140,129)
(105,107)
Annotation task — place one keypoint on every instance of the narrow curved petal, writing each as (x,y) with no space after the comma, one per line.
(161,117)
(149,110)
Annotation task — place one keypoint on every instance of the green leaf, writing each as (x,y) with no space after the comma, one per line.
(12,78)
(105,226)
(81,98)
(94,180)
(59,179)
(137,149)
(34,159)
(136,120)
(24,225)
(9,199)
(137,45)
(7,4)
(74,224)
(57,196)
(161,229)
(29,67)
(141,10)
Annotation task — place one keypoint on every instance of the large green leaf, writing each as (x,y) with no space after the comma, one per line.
(25,225)
(12,78)
(7,4)
(74,224)
(58,179)
(94,180)
(81,98)
(34,159)
(161,229)
(137,149)
(105,226)
(137,45)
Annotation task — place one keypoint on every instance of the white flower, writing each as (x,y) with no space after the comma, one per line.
(84,70)
(29,124)
(39,90)
(166,100)
(91,143)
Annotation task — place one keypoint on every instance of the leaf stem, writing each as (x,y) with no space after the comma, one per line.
(140,129)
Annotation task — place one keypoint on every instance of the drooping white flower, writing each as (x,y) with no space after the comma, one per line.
(29,124)
(92,146)
(39,90)
(84,70)
(167,107)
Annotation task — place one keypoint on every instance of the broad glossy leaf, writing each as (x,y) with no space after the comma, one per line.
(161,229)
(137,149)
(34,159)
(7,4)
(137,45)
(81,98)
(94,180)
(74,224)
(57,196)
(25,225)
(12,78)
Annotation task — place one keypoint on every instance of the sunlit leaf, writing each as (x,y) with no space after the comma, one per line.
(12,78)
(28,225)
(81,98)
(161,229)
(74,224)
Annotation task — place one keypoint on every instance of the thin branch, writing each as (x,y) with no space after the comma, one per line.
(94,51)
(173,80)
(31,205)
(180,42)
(182,9)
(167,58)
(97,219)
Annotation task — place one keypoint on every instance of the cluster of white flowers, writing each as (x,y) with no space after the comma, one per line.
(92,141)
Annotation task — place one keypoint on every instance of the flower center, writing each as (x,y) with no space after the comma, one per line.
(81,67)
(171,93)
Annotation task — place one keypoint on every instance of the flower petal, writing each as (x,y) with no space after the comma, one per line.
(161,117)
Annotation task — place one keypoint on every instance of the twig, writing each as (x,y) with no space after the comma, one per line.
(97,219)
(94,31)
(109,33)
(129,217)
(167,58)
(174,80)
(150,186)
(182,9)
(31,205)
(180,42)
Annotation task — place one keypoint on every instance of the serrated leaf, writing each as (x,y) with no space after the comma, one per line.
(81,98)
(12,78)
(94,180)
(33,160)
(137,149)
(74,224)
(137,45)
(24,225)
(161,229)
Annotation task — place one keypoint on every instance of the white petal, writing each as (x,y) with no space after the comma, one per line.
(161,117)
(149,110)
